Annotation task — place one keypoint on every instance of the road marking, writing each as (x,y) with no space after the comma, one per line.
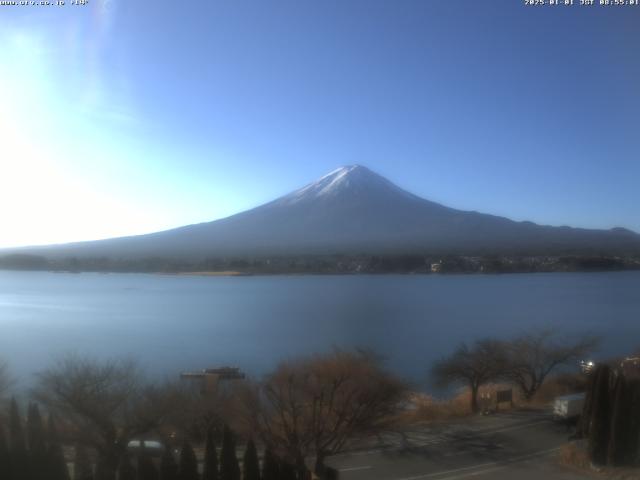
(498,468)
(466,452)
(475,473)
(458,453)
(513,427)
(353,469)
(439,439)
(495,465)
(362,452)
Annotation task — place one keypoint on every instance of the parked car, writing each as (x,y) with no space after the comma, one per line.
(151,447)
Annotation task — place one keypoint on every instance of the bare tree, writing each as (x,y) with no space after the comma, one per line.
(202,413)
(314,406)
(474,366)
(104,404)
(534,355)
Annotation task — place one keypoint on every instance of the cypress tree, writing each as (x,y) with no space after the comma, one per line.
(625,424)
(55,461)
(146,468)
(270,466)
(600,421)
(619,423)
(229,468)
(287,471)
(5,465)
(168,466)
(15,427)
(126,470)
(104,470)
(634,419)
(582,430)
(35,429)
(188,462)
(18,451)
(250,464)
(82,469)
(37,443)
(210,471)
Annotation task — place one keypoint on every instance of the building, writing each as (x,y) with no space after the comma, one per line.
(209,378)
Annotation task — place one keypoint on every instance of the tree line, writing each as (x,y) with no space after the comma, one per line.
(299,415)
(35,452)
(31,453)
(327,263)
(310,408)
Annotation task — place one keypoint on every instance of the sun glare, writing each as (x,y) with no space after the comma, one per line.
(43,199)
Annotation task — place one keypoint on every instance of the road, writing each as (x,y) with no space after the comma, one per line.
(514,445)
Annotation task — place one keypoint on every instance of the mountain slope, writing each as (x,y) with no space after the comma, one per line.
(354,210)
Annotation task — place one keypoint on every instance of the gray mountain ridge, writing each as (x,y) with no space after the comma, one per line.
(353,210)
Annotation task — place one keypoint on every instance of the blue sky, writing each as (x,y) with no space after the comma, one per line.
(129,117)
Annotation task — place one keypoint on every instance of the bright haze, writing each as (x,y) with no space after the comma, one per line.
(121,118)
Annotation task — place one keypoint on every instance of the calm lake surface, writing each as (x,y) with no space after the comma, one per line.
(175,323)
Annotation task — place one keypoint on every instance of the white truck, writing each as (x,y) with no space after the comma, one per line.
(568,408)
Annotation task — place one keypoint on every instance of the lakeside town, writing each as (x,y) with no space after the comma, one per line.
(330,264)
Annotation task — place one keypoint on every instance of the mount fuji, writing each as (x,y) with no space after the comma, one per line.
(353,210)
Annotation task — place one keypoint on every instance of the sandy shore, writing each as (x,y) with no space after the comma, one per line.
(225,273)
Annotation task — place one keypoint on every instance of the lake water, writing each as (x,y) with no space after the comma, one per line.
(175,323)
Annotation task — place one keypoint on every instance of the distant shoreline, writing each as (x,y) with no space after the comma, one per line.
(229,274)
(226,273)
(356,264)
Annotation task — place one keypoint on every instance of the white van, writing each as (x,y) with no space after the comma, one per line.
(568,407)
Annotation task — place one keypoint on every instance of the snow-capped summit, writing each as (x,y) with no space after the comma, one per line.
(350,179)
(354,210)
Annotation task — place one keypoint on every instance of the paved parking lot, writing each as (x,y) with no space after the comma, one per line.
(511,445)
